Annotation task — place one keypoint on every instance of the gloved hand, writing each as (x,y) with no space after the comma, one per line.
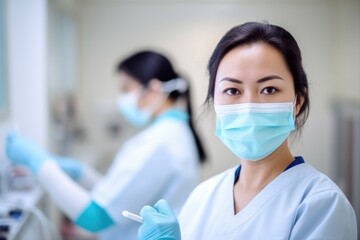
(73,168)
(159,223)
(23,151)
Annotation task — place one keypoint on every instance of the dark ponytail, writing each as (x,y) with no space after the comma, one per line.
(199,145)
(147,65)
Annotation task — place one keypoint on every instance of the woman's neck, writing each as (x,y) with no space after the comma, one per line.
(163,108)
(255,176)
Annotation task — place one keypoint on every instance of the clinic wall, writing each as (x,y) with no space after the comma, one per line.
(27,68)
(327,32)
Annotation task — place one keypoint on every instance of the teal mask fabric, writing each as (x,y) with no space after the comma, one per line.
(253,131)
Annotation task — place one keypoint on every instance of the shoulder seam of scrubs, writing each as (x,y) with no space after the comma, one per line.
(94,218)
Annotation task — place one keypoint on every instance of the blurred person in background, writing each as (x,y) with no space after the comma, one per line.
(162,161)
(260,94)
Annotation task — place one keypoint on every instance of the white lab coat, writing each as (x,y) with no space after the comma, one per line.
(301,203)
(160,162)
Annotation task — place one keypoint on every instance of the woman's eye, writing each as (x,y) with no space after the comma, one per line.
(232,91)
(269,90)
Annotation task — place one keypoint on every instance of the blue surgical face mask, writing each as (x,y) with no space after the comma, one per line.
(127,104)
(253,131)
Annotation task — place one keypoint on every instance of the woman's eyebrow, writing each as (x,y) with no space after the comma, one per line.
(271,77)
(231,80)
(261,80)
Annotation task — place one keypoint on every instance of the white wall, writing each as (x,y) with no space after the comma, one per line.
(27,67)
(328,33)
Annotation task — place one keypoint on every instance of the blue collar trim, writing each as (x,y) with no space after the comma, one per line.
(298,160)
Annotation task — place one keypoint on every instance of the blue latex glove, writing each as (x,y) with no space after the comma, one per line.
(159,223)
(73,168)
(23,151)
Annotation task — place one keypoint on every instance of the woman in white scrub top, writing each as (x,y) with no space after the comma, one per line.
(160,162)
(260,94)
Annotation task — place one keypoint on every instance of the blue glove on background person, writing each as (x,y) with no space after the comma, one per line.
(160,222)
(73,168)
(23,151)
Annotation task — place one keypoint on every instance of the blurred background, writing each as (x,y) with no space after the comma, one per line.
(58,82)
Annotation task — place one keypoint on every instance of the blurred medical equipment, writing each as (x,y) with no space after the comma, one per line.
(19,206)
(346,163)
(3,177)
(20,216)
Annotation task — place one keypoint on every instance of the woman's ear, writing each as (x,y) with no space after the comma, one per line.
(298,104)
(155,85)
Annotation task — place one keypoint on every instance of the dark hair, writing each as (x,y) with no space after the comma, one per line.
(277,37)
(147,65)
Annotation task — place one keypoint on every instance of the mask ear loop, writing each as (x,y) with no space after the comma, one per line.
(178,84)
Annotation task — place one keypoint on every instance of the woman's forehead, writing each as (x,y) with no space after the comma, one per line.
(252,61)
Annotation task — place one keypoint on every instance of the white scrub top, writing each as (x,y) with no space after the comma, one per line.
(160,162)
(301,203)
